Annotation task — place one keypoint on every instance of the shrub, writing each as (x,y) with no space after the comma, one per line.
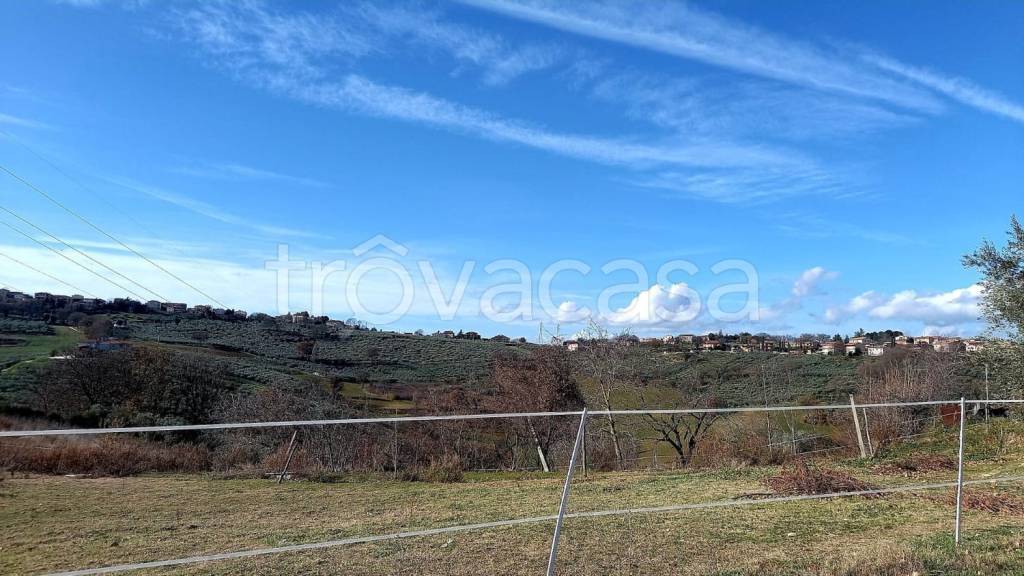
(107,456)
(447,469)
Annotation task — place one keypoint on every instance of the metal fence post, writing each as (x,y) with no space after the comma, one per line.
(394,453)
(583,449)
(552,559)
(986,393)
(856,424)
(960,474)
(288,458)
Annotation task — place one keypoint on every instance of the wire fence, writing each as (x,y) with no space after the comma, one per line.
(577,459)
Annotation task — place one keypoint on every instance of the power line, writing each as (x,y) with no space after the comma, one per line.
(72,260)
(77,182)
(26,221)
(48,275)
(108,235)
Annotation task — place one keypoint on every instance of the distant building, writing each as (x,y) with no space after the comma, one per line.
(175,307)
(830,348)
(875,349)
(202,309)
(949,345)
(902,340)
(710,344)
(154,305)
(572,345)
(974,345)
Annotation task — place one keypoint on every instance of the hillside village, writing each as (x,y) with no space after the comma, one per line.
(59,309)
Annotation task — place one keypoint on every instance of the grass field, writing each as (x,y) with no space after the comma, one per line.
(57,523)
(34,347)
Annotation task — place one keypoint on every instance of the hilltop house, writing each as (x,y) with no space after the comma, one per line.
(831,347)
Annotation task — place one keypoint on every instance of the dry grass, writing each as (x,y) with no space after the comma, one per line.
(52,523)
(801,478)
(106,456)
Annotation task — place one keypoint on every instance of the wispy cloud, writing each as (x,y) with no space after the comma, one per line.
(291,65)
(959,89)
(751,186)
(23,122)
(364,95)
(232,171)
(803,225)
(419,28)
(745,108)
(688,32)
(211,211)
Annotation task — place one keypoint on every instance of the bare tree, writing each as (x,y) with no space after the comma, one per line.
(683,432)
(539,382)
(610,364)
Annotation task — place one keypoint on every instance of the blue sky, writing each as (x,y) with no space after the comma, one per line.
(850,153)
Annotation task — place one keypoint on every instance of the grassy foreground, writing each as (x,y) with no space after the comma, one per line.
(55,523)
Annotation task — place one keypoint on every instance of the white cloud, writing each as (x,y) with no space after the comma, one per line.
(944,310)
(570,311)
(293,55)
(361,94)
(941,309)
(959,89)
(704,106)
(674,304)
(858,304)
(691,33)
(746,185)
(807,283)
(420,28)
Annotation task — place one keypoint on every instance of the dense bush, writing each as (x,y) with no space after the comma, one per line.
(106,456)
(16,326)
(141,386)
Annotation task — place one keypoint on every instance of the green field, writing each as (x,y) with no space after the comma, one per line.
(58,523)
(31,347)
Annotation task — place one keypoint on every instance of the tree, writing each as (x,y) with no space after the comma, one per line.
(540,382)
(1003,306)
(305,348)
(98,327)
(683,432)
(1003,269)
(137,386)
(610,363)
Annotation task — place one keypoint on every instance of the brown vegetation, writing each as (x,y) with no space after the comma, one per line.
(802,478)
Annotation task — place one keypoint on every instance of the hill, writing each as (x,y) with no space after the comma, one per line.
(387,370)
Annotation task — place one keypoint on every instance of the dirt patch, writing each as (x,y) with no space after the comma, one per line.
(918,463)
(802,478)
